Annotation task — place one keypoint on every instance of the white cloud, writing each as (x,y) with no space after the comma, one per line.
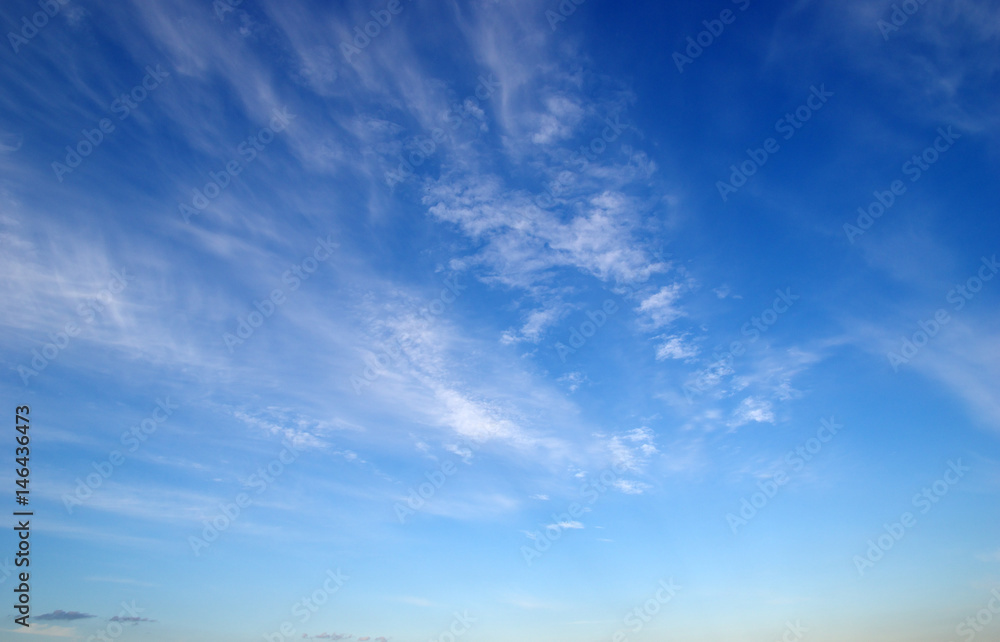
(675,347)
(752,410)
(632,449)
(525,242)
(563,115)
(295,428)
(573,379)
(464,453)
(661,308)
(566,525)
(535,325)
(630,487)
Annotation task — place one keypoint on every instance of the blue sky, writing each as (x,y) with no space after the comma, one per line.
(504,320)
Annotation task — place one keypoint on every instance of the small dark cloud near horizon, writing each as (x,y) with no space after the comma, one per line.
(130,620)
(59,614)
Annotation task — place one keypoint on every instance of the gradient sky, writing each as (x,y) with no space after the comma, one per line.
(507,255)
